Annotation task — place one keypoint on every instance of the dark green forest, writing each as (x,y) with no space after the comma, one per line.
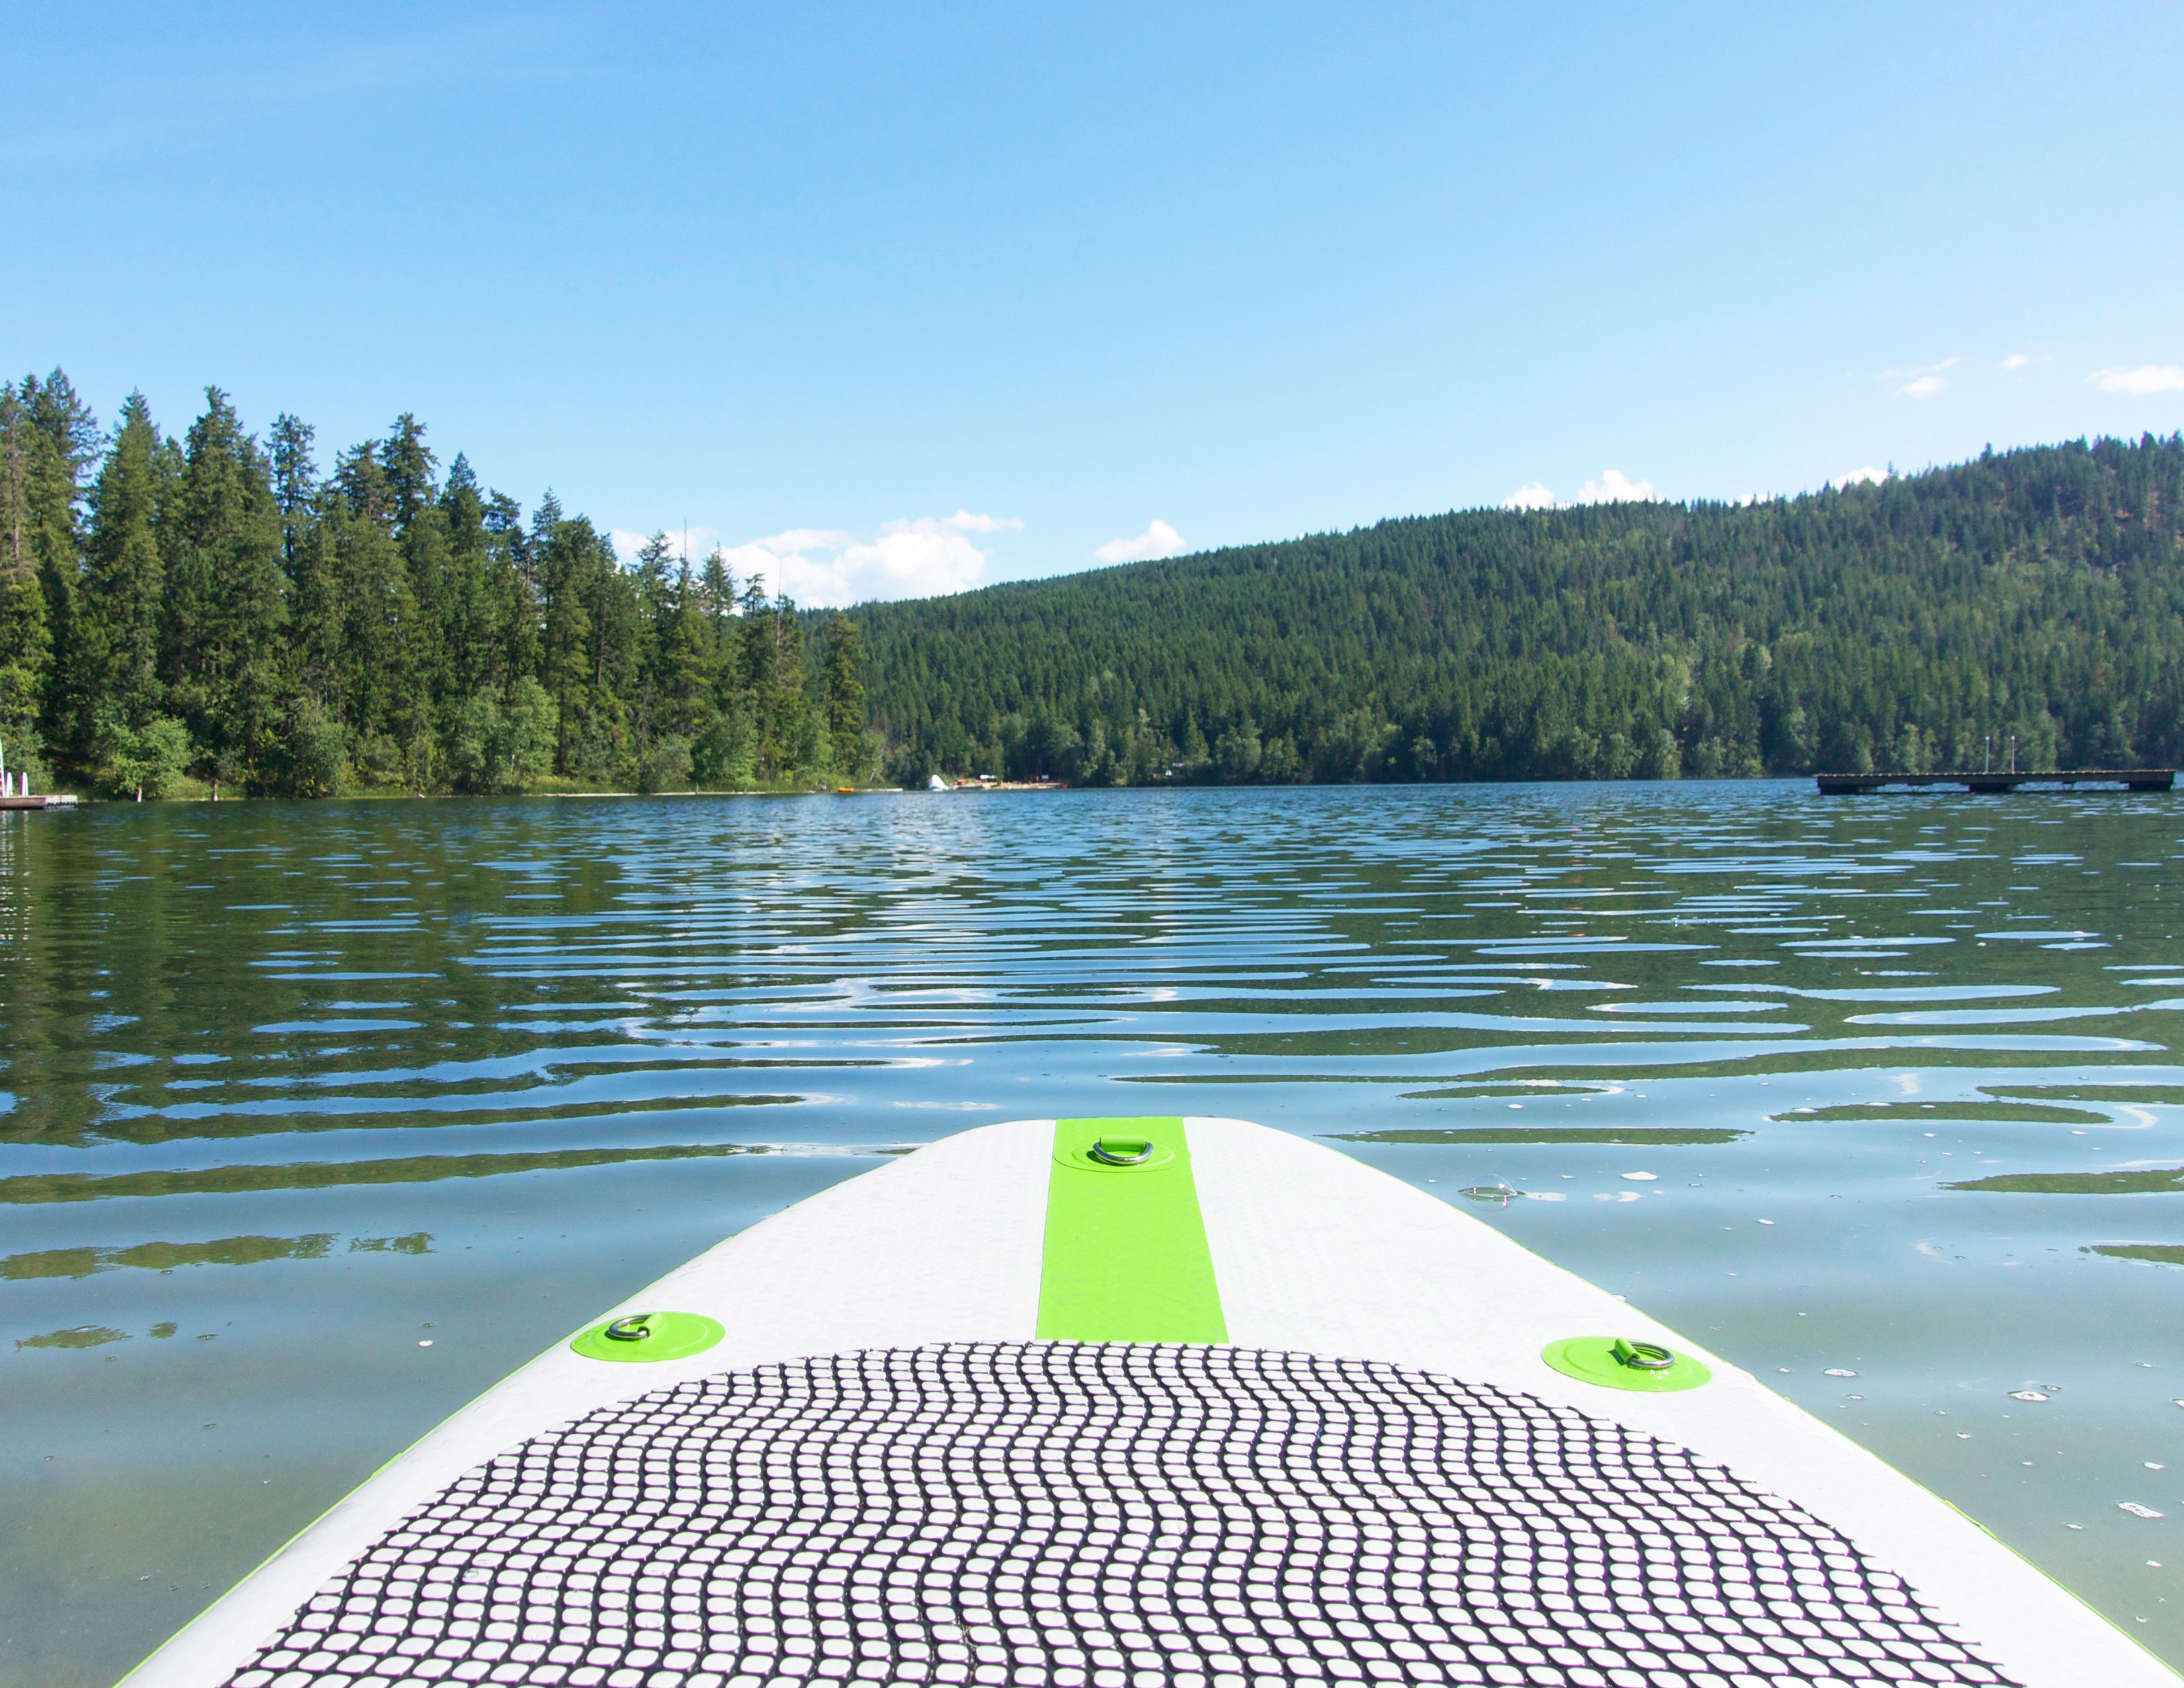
(181,616)
(2034,593)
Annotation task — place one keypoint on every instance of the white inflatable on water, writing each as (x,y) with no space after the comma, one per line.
(1106,1403)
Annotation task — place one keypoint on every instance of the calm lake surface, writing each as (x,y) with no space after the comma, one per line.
(287,1091)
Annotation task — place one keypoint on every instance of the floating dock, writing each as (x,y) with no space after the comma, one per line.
(60,801)
(2132,779)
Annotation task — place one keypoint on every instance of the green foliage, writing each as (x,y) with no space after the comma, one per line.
(123,572)
(225,609)
(214,609)
(219,603)
(844,691)
(725,755)
(142,761)
(502,745)
(664,764)
(47,442)
(2035,593)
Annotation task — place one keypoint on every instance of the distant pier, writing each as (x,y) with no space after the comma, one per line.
(2132,779)
(15,790)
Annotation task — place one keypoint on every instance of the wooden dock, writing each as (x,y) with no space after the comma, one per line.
(61,801)
(2131,779)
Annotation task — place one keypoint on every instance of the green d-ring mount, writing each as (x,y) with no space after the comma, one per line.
(1118,1152)
(650,1336)
(1618,1362)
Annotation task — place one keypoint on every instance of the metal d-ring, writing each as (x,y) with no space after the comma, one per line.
(633,1328)
(1107,1157)
(1642,1356)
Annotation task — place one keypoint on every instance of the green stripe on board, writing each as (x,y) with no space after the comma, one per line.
(1126,1259)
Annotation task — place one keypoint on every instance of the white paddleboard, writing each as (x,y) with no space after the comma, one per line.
(1106,1403)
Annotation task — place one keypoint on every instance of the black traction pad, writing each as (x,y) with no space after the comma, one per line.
(1105,1516)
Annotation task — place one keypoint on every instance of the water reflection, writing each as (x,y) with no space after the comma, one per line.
(1828,1083)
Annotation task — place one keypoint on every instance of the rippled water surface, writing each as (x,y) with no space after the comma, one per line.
(287,1091)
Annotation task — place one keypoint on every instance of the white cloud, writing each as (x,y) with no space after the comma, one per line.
(1533,495)
(2016,360)
(1615,487)
(1869,475)
(1158,540)
(1921,380)
(2145,379)
(964,522)
(826,568)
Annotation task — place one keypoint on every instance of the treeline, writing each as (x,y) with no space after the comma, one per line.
(2035,593)
(215,612)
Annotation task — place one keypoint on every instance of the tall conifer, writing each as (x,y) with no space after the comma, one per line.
(60,441)
(295,480)
(126,574)
(222,649)
(25,638)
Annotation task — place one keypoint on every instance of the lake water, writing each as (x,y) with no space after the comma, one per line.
(287,1091)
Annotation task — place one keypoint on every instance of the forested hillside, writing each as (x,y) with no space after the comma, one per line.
(185,615)
(2036,593)
(179,614)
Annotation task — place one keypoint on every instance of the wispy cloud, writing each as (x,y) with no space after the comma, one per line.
(1921,380)
(136,100)
(2145,379)
(1613,487)
(1868,476)
(828,568)
(1532,495)
(2016,360)
(1158,540)
(1922,369)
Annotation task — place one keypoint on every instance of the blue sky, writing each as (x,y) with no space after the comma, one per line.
(898,299)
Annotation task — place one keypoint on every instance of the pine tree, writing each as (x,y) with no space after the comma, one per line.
(572,645)
(222,652)
(687,652)
(466,609)
(845,693)
(25,639)
(410,467)
(511,590)
(652,582)
(382,630)
(295,480)
(126,573)
(58,445)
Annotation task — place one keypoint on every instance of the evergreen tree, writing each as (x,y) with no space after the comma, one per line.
(57,444)
(410,467)
(466,620)
(26,642)
(222,649)
(589,645)
(295,480)
(125,581)
(843,696)
(381,703)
